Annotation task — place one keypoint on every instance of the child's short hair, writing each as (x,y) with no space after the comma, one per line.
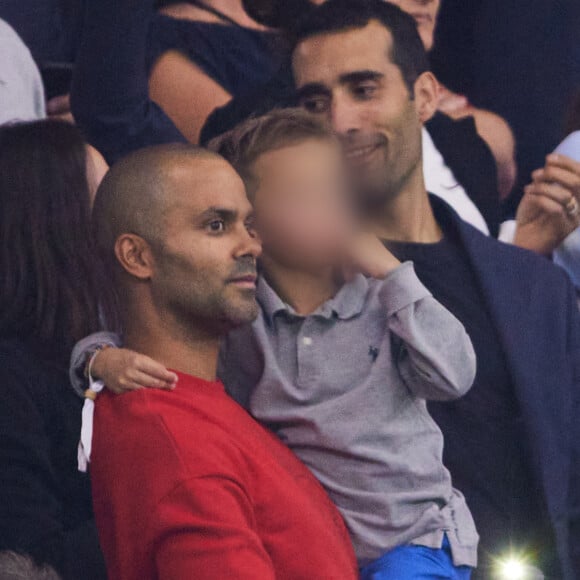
(245,143)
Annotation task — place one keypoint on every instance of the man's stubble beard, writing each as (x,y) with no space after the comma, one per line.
(197,307)
(376,195)
(212,318)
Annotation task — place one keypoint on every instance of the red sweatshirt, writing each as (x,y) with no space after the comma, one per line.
(186,485)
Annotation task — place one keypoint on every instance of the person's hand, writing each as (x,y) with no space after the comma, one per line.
(452,104)
(550,209)
(59,108)
(367,255)
(123,370)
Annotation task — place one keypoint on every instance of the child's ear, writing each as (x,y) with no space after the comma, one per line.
(135,256)
(426,92)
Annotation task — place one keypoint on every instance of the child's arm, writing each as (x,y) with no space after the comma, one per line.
(120,369)
(435,355)
(123,370)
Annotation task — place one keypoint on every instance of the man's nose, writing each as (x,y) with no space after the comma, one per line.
(344,116)
(250,244)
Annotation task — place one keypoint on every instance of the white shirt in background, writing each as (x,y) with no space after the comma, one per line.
(21,88)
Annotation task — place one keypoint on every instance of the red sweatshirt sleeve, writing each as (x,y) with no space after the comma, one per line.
(205,529)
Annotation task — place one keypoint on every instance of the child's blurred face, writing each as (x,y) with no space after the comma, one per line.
(301,204)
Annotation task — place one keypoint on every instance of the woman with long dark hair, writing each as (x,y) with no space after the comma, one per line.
(50,296)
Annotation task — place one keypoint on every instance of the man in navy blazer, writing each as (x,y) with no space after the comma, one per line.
(512,443)
(533,307)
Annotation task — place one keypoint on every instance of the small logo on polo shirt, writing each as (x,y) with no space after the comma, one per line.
(374,353)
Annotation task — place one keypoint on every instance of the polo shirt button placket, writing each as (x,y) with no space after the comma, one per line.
(306,355)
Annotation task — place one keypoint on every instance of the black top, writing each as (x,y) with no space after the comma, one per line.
(485,444)
(472,163)
(45,503)
(278,92)
(239,59)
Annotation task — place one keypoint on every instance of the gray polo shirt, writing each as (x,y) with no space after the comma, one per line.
(346,388)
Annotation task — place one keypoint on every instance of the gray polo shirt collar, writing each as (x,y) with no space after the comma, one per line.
(348,302)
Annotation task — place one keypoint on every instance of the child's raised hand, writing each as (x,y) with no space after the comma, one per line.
(124,370)
(367,255)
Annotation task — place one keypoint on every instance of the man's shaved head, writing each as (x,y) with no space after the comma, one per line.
(175,226)
(136,193)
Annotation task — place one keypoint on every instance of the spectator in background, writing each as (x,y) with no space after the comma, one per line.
(49,298)
(201,54)
(548,217)
(520,60)
(51,29)
(21,90)
(511,443)
(494,130)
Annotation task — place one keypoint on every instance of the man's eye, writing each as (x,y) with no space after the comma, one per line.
(366,91)
(316,105)
(216,226)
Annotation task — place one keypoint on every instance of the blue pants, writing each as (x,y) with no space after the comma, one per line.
(416,563)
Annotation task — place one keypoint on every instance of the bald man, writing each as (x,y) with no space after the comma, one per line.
(185,483)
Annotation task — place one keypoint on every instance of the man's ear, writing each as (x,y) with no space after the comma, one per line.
(135,256)
(426,96)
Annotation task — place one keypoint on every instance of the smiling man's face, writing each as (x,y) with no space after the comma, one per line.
(349,78)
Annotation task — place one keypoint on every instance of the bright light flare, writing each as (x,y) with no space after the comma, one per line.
(516,567)
(512,569)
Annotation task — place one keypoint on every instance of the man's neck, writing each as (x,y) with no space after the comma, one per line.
(164,340)
(408,217)
(305,292)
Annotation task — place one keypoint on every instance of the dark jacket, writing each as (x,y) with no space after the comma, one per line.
(45,503)
(534,308)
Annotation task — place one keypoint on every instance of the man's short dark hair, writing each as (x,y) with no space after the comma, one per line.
(408,52)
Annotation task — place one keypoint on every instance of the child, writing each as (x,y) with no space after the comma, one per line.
(347,349)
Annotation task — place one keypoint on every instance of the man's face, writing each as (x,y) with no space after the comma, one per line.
(205,261)
(425,14)
(348,78)
(303,215)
